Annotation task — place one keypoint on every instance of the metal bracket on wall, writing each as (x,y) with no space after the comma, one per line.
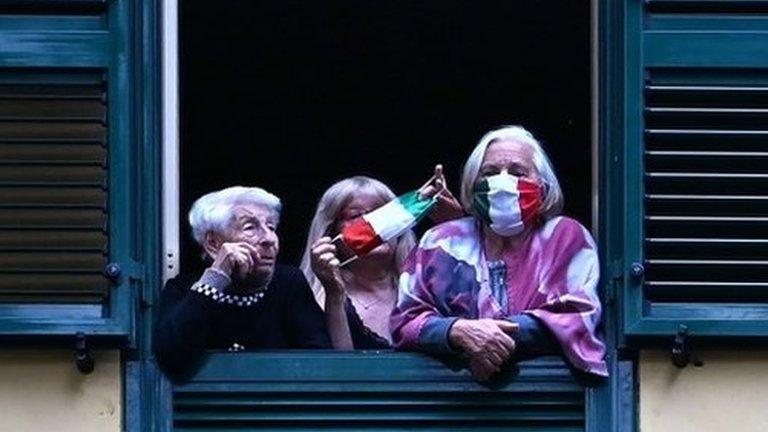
(83,358)
(681,355)
(681,349)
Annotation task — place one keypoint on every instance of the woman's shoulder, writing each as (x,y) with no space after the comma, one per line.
(565,229)
(458,239)
(456,229)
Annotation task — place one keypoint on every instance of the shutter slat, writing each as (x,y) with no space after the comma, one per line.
(52,239)
(22,174)
(58,197)
(51,153)
(91,131)
(707,7)
(54,219)
(53,110)
(45,262)
(60,284)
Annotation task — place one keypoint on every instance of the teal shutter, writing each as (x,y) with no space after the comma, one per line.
(696,168)
(54,224)
(68,169)
(386,391)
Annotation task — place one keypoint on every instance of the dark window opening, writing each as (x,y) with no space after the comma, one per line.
(293,95)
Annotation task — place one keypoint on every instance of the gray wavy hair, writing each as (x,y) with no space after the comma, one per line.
(333,201)
(213,211)
(552,201)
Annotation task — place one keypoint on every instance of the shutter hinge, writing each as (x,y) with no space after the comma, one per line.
(132,270)
(139,274)
(616,274)
(83,358)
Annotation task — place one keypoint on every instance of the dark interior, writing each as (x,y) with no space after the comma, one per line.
(295,95)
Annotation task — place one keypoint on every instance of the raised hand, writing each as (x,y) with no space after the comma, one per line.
(448,207)
(325,265)
(236,259)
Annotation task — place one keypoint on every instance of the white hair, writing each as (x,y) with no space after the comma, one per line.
(333,201)
(213,211)
(552,199)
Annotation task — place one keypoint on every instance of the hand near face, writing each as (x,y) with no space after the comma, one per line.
(236,259)
(325,265)
(486,342)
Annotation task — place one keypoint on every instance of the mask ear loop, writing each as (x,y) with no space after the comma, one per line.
(348,260)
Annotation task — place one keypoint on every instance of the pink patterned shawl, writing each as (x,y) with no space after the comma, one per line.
(552,276)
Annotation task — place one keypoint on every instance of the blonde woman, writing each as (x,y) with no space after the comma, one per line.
(363,293)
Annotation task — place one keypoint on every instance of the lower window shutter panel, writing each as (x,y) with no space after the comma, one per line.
(697,169)
(53,187)
(382,391)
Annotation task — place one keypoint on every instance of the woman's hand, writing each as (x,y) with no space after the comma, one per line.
(448,207)
(487,343)
(325,265)
(235,259)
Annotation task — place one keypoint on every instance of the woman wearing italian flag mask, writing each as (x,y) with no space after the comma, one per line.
(512,281)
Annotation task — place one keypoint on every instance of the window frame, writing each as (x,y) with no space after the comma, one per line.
(608,407)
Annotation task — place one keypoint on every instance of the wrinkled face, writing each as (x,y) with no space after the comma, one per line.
(257,226)
(508,156)
(361,204)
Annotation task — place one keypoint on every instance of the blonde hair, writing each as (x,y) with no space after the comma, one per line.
(333,201)
(552,200)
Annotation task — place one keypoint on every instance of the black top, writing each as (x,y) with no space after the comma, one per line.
(362,336)
(190,322)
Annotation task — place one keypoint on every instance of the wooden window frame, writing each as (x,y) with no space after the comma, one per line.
(608,407)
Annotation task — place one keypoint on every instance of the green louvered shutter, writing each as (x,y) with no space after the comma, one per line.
(365,391)
(697,168)
(53,187)
(71,202)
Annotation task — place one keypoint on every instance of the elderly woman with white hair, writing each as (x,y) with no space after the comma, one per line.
(512,281)
(243,300)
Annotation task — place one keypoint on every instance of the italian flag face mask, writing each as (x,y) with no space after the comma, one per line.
(507,204)
(386,223)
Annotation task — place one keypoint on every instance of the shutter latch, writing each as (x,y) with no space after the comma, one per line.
(83,358)
(681,349)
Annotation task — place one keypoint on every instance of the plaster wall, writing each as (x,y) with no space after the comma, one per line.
(41,390)
(729,393)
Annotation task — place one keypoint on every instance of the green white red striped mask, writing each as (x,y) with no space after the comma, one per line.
(386,223)
(507,204)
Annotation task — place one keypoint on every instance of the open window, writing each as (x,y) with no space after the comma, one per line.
(293,96)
